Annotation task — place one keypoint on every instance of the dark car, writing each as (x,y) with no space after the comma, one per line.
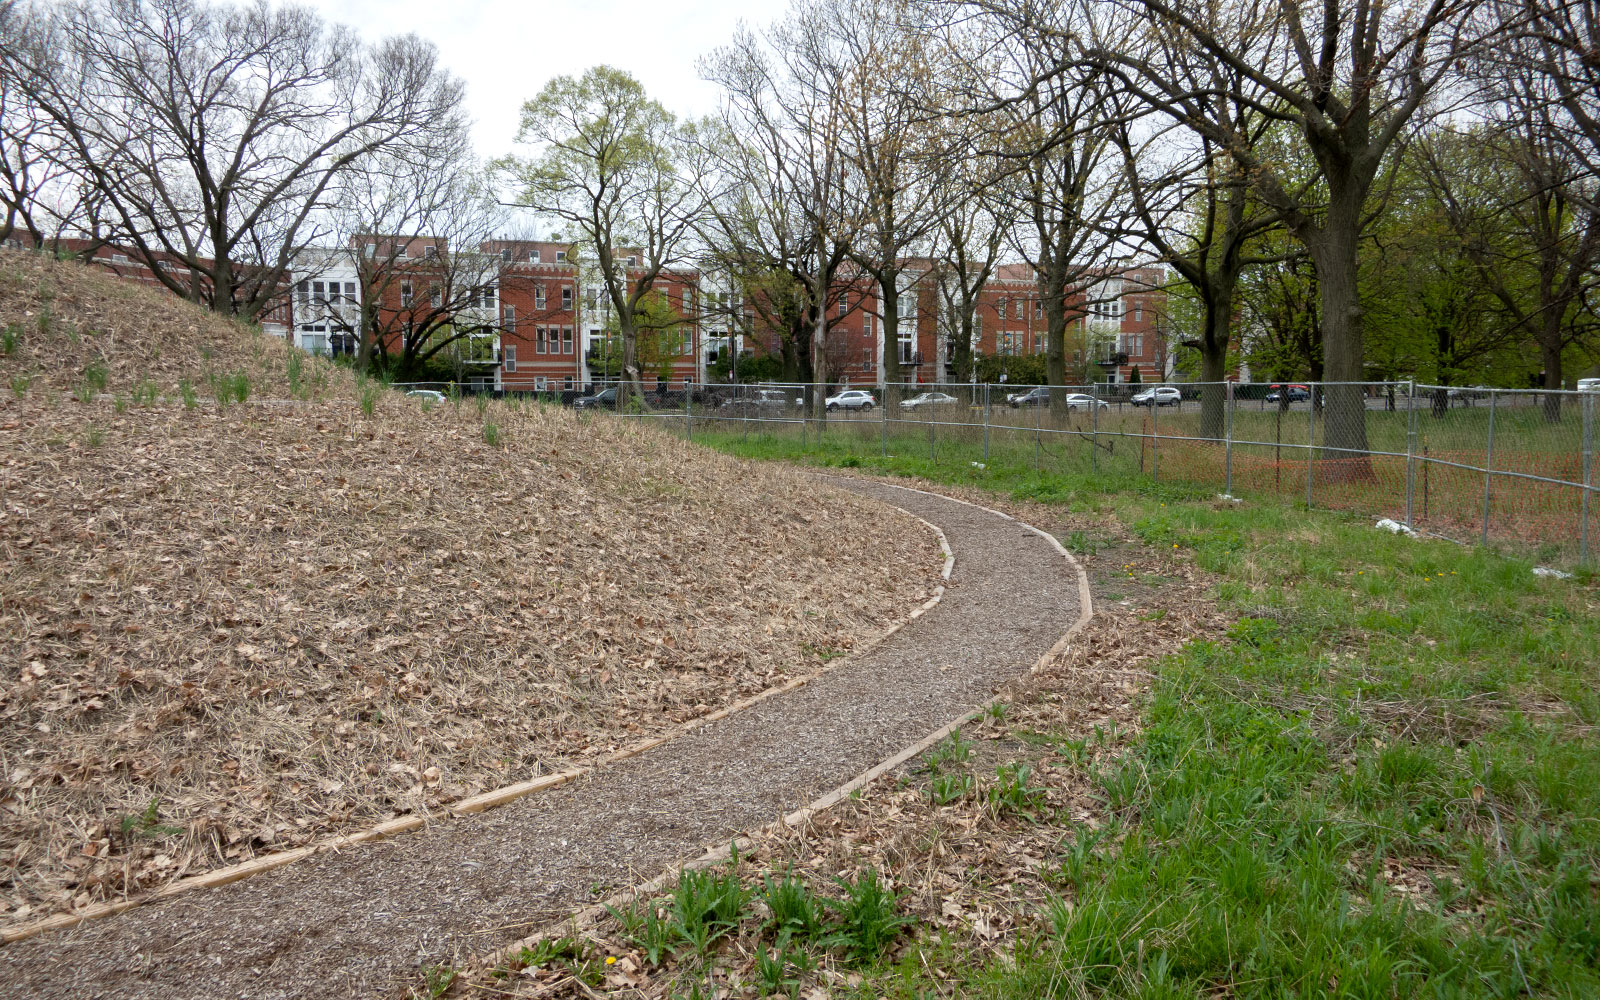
(606,399)
(1294,393)
(1037,396)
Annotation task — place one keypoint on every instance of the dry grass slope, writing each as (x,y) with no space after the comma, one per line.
(232,627)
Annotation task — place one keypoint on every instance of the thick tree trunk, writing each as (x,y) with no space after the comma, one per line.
(819,346)
(1550,358)
(1214,359)
(1344,410)
(889,307)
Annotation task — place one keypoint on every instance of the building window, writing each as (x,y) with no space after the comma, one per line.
(566,296)
(533,256)
(430,252)
(538,296)
(303,292)
(370,250)
(566,340)
(349,293)
(561,256)
(1038,308)
(908,304)
(591,298)
(540,383)
(511,319)
(505,255)
(510,352)
(633,261)
(436,297)
(538,340)
(405,295)
(844,304)
(1138,312)
(567,383)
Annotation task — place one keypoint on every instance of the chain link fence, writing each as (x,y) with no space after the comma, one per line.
(1508,467)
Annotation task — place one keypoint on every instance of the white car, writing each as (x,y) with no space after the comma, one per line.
(926,399)
(1589,385)
(1083,401)
(851,399)
(1161,395)
(426,395)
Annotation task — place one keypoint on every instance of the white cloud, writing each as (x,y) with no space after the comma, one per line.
(507,51)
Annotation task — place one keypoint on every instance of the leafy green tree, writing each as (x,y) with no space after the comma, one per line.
(610,170)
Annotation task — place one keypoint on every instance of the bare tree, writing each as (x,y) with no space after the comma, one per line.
(885,76)
(791,125)
(1191,198)
(1349,77)
(610,167)
(1058,131)
(436,192)
(1517,198)
(216,134)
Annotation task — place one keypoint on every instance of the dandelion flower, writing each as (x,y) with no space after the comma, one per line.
(611,960)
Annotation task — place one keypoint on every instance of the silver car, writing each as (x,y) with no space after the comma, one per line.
(922,399)
(851,399)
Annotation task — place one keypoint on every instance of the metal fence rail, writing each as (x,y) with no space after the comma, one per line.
(1510,467)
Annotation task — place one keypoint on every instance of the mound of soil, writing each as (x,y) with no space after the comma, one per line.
(230,626)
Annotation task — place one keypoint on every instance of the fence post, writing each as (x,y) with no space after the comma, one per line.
(985,423)
(930,433)
(1588,478)
(805,413)
(1488,465)
(1155,437)
(1227,400)
(883,420)
(1094,427)
(1311,435)
(1038,416)
(1411,451)
(688,413)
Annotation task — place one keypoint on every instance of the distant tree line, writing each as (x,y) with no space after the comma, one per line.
(1344,192)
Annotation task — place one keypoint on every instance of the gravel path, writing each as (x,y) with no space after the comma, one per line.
(344,924)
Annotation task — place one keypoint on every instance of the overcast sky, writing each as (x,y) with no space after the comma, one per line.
(507,51)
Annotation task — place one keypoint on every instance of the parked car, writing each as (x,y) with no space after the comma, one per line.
(851,399)
(1033,397)
(922,399)
(765,398)
(606,398)
(1082,401)
(1295,393)
(426,395)
(1589,385)
(1161,395)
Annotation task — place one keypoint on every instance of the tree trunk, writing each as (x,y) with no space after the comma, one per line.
(1214,359)
(1334,250)
(889,307)
(1550,357)
(819,347)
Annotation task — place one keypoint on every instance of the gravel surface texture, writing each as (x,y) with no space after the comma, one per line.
(348,923)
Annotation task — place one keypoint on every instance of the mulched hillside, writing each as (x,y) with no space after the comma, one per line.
(229,627)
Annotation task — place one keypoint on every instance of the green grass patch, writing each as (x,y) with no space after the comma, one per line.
(1384,781)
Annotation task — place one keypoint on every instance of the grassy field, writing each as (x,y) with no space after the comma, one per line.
(1525,515)
(1373,771)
